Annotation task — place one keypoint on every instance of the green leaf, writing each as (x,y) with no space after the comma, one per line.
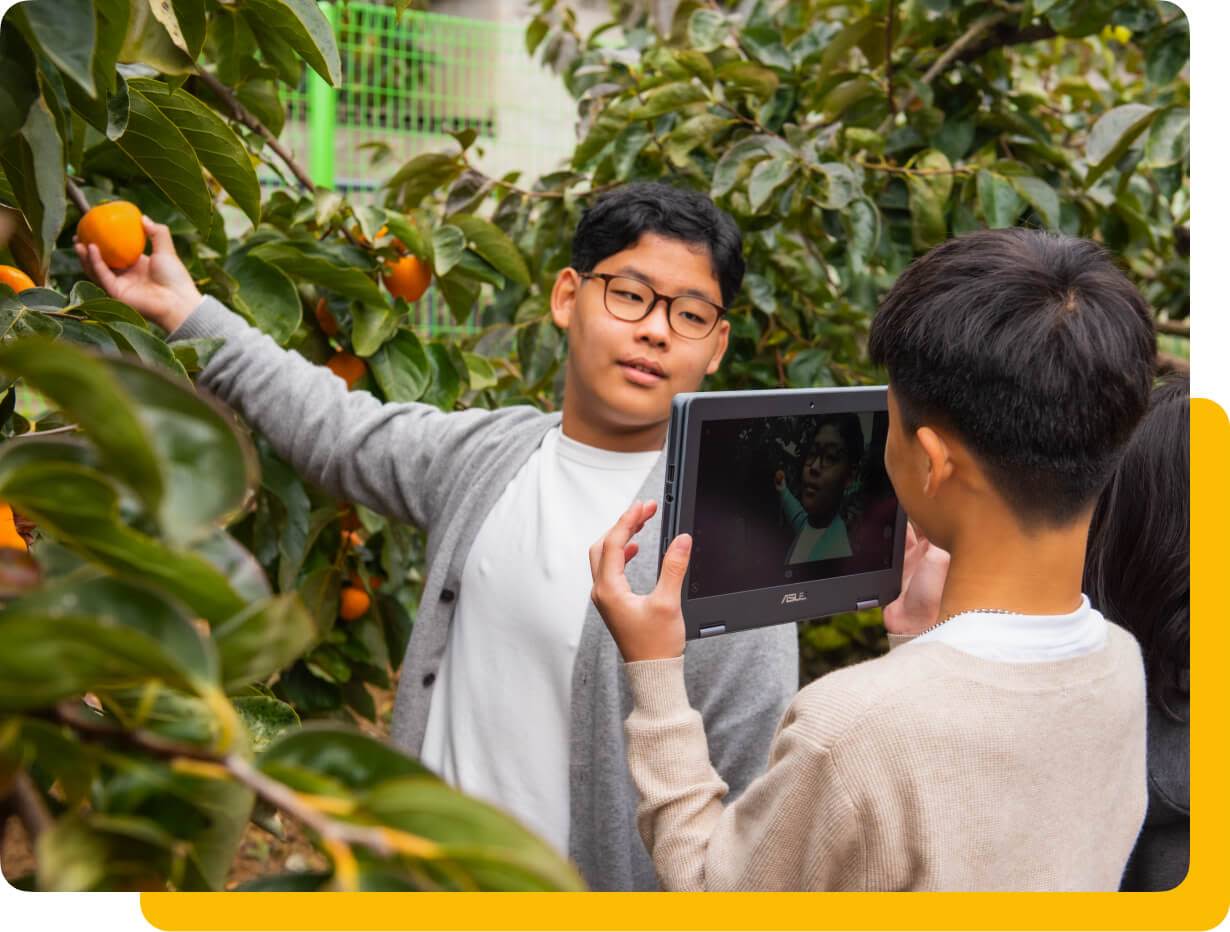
(491,849)
(482,372)
(262,639)
(460,294)
(766,178)
(302,24)
(113,603)
(401,368)
(446,378)
(447,244)
(668,99)
(266,719)
(44,659)
(65,32)
(998,200)
(693,132)
(320,755)
(628,145)
(191,17)
(266,294)
(421,176)
(216,145)
(841,186)
(151,350)
(34,164)
(208,466)
(306,259)
(407,231)
(373,325)
(1169,138)
(747,76)
(18,80)
(494,245)
(1113,134)
(862,219)
(162,152)
(707,29)
(810,368)
(91,395)
(147,41)
(1041,197)
(761,292)
(736,163)
(929,199)
(111,24)
(604,129)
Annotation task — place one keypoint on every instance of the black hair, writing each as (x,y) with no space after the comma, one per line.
(1137,567)
(619,218)
(851,431)
(1034,348)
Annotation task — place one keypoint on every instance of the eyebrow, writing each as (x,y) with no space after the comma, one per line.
(633,272)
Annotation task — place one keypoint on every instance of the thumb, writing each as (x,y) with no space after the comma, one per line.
(674,569)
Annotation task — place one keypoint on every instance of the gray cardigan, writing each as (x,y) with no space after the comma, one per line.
(444,472)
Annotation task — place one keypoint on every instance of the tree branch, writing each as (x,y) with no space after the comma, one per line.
(29,806)
(1008,35)
(76,195)
(314,812)
(244,116)
(951,55)
(1177,328)
(890,22)
(1169,362)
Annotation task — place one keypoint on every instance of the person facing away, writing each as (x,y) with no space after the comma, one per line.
(1137,572)
(829,466)
(511,687)
(1002,748)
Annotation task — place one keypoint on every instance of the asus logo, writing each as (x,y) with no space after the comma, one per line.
(793,597)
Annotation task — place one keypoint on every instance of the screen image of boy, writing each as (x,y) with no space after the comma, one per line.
(790,499)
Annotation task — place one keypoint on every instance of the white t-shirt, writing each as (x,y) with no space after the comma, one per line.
(1014,638)
(498,723)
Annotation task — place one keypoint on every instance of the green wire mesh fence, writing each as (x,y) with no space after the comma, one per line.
(407,82)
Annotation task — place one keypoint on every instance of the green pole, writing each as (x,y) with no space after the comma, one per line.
(322,116)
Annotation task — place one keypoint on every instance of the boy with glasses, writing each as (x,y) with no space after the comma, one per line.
(829,465)
(511,687)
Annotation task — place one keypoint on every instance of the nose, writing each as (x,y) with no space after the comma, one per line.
(654,329)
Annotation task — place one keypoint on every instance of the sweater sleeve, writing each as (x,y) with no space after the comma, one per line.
(793,829)
(796,517)
(350,443)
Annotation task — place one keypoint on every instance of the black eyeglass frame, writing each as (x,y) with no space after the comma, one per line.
(606,278)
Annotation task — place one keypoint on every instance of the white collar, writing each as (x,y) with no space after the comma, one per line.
(1017,638)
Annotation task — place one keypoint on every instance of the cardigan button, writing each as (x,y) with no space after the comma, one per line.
(447,595)
(428,680)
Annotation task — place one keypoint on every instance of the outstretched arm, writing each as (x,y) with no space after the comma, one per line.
(350,443)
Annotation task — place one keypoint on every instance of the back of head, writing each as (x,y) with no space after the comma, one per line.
(1034,348)
(1137,568)
(618,219)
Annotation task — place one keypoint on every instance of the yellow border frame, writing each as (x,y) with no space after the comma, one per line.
(1200,902)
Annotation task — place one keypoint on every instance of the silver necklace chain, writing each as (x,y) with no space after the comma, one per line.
(968,611)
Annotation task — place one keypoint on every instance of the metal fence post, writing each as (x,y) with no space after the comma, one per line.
(322,116)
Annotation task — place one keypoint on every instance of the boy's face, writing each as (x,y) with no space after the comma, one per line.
(623,374)
(826,472)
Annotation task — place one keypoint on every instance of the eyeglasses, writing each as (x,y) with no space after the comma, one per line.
(630,299)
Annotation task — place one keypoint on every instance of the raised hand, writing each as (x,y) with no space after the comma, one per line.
(645,627)
(924,573)
(158,286)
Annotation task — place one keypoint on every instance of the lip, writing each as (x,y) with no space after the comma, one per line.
(641,371)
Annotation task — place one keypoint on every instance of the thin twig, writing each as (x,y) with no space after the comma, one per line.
(524,192)
(244,116)
(30,807)
(66,429)
(951,54)
(76,195)
(901,170)
(1177,328)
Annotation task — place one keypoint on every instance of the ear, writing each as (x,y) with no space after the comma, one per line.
(723,342)
(564,297)
(938,460)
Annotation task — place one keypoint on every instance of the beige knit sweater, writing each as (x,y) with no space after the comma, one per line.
(926,769)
